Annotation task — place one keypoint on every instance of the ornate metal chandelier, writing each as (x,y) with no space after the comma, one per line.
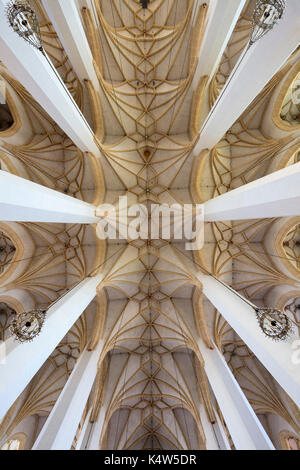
(28,325)
(145,3)
(23,20)
(267,13)
(274,323)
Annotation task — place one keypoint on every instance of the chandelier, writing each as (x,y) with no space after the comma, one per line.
(144,3)
(266,14)
(274,323)
(23,20)
(28,325)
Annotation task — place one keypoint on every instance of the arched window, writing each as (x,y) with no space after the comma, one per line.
(12,444)
(289,440)
(290,111)
(16,442)
(293,443)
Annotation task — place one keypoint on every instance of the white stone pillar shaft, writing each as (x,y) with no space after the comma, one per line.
(96,432)
(32,69)
(222,18)
(23,360)
(221,435)
(61,426)
(22,200)
(214,439)
(275,195)
(245,428)
(251,76)
(84,432)
(91,432)
(275,356)
(66,20)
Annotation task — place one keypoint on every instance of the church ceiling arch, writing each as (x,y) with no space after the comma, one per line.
(146,117)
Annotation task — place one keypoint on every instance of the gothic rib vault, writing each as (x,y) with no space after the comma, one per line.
(151,390)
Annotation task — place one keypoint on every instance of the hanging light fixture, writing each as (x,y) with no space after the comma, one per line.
(23,20)
(274,323)
(266,15)
(145,3)
(28,325)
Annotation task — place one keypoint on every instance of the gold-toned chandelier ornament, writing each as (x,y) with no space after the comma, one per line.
(23,20)
(274,323)
(28,325)
(144,3)
(266,15)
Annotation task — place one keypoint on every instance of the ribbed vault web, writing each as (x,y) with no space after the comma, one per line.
(150,310)
(145,76)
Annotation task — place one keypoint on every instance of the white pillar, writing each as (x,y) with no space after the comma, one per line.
(222,18)
(275,195)
(215,440)
(84,432)
(22,200)
(96,432)
(66,20)
(61,426)
(91,432)
(260,64)
(31,68)
(23,360)
(275,356)
(245,428)
(221,434)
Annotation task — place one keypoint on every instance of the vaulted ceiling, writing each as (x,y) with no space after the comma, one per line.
(146,117)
